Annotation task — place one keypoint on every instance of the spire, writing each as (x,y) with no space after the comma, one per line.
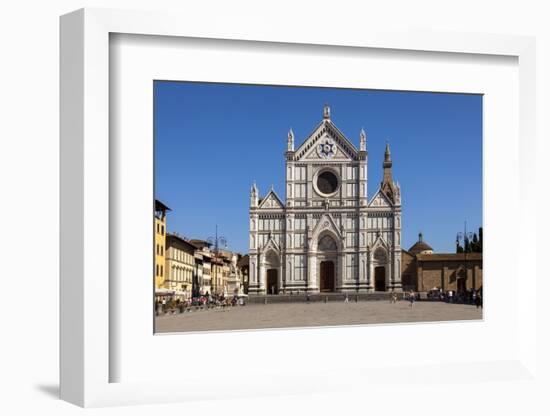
(387,165)
(326,112)
(290,141)
(387,186)
(362,140)
(253,195)
(387,154)
(420,237)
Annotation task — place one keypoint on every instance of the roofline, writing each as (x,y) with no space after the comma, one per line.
(271,191)
(338,131)
(161,206)
(379,191)
(449,256)
(176,237)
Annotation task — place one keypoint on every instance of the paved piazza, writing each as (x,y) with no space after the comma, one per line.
(284,315)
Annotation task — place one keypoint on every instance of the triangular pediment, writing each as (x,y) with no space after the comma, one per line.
(380,249)
(271,201)
(316,153)
(379,242)
(380,200)
(271,244)
(326,223)
(326,142)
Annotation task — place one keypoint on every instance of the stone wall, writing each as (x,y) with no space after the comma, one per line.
(442,270)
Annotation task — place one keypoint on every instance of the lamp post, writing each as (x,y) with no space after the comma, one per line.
(216,241)
(465,237)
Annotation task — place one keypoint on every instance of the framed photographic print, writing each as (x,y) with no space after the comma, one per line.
(315,248)
(290,207)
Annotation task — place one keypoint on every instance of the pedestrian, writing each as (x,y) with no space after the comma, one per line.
(346,300)
(478,301)
(411,298)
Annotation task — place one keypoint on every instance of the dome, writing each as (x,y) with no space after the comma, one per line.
(421,247)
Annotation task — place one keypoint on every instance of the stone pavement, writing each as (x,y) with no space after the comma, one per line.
(258,316)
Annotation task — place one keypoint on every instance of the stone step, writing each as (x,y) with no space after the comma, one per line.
(320,297)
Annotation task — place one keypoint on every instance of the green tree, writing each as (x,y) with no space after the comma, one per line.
(467,245)
(474,245)
(481,239)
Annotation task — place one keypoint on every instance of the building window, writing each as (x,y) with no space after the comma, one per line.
(351,267)
(299,267)
(157,271)
(351,239)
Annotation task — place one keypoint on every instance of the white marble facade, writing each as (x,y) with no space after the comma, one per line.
(327,236)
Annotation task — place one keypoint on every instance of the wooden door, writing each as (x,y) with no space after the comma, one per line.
(326,281)
(380,279)
(272,282)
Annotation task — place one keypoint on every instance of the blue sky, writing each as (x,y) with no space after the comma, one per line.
(213,140)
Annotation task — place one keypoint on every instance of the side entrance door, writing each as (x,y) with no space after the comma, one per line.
(326,281)
(380,279)
(272,282)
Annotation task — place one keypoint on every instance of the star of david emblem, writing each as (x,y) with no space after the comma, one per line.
(326,148)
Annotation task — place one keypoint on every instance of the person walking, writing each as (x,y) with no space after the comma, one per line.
(411,298)
(478,300)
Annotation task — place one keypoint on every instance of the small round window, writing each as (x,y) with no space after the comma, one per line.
(327,182)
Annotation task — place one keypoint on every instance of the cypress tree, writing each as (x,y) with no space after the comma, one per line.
(481,239)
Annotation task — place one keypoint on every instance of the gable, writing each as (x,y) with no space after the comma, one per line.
(271,244)
(380,200)
(271,201)
(316,154)
(379,242)
(326,222)
(340,148)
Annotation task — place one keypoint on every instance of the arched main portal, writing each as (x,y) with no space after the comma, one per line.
(326,277)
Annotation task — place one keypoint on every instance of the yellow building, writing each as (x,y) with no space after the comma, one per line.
(180,266)
(160,243)
(217,271)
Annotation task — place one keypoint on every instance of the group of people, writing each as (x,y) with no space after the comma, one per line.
(470,296)
(203,301)
(410,296)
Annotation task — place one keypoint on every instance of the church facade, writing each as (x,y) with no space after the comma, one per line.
(326,235)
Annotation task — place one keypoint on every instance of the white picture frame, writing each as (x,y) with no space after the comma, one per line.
(87,356)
